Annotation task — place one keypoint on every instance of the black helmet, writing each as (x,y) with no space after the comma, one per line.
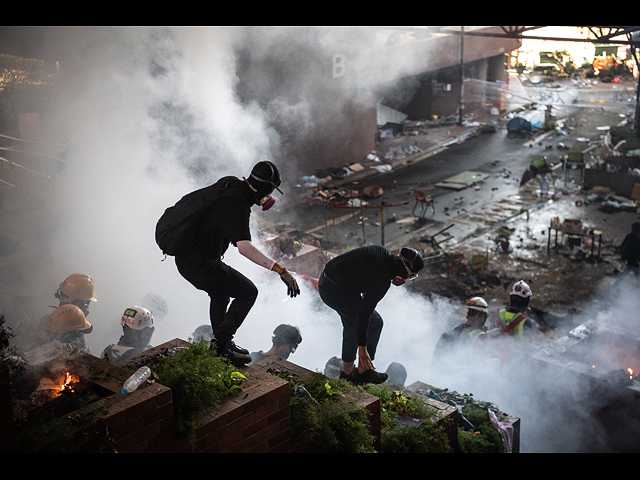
(412,258)
(266,172)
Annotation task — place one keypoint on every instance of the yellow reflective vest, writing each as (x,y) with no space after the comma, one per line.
(510,323)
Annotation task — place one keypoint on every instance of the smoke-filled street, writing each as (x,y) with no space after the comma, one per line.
(146,115)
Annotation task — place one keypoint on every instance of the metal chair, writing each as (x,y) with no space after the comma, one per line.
(425,201)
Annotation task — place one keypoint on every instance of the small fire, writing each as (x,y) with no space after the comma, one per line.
(68,385)
(630,370)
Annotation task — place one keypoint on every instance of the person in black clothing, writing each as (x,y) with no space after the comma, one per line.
(352,284)
(630,253)
(227,222)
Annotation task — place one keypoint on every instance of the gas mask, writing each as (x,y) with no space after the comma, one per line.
(398,280)
(405,253)
(267,202)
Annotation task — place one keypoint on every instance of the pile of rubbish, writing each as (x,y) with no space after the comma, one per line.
(610,202)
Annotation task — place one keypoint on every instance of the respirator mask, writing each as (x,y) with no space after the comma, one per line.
(267,201)
(410,255)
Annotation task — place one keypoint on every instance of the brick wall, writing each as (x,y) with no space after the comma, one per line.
(256,421)
(370,402)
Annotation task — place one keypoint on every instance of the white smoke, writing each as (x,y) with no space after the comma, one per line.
(150,115)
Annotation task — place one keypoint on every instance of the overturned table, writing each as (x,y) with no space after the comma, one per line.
(571,231)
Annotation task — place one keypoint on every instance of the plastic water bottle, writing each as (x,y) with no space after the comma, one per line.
(135,380)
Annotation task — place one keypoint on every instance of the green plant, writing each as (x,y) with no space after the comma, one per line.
(323,416)
(627,133)
(47,430)
(485,437)
(7,352)
(397,437)
(199,379)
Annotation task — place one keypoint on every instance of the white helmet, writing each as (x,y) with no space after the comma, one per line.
(477,303)
(521,289)
(137,318)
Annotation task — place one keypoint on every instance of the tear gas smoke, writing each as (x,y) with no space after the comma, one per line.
(152,114)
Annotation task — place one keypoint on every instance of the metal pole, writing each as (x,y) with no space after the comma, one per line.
(636,120)
(382,225)
(461,107)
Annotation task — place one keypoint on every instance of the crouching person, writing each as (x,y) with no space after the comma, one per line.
(137,330)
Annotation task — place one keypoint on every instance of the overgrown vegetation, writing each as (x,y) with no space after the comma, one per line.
(325,419)
(397,436)
(49,431)
(7,352)
(476,433)
(199,379)
(626,133)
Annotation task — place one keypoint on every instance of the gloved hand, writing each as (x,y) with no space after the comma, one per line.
(292,286)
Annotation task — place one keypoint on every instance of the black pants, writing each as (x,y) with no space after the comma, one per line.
(347,305)
(222,283)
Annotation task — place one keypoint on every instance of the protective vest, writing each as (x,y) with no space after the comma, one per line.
(456,332)
(475,334)
(510,323)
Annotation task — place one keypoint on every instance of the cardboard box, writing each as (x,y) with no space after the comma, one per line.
(572,226)
(635,194)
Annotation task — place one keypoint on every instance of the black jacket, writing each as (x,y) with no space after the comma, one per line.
(365,271)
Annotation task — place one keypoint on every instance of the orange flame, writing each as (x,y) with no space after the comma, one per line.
(68,383)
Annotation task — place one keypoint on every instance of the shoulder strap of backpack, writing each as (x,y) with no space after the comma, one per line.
(515,322)
(511,326)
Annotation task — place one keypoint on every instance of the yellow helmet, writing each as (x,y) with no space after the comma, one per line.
(78,286)
(66,318)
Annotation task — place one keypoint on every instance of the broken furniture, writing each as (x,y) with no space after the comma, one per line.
(576,234)
(425,201)
(431,239)
(573,161)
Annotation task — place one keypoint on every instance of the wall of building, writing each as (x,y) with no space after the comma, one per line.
(339,85)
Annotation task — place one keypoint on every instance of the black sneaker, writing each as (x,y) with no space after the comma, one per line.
(234,355)
(348,377)
(369,376)
(238,349)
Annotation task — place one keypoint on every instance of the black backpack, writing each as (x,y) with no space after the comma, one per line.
(172,230)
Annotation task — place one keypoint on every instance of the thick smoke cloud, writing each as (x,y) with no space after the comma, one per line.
(150,114)
(153,113)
